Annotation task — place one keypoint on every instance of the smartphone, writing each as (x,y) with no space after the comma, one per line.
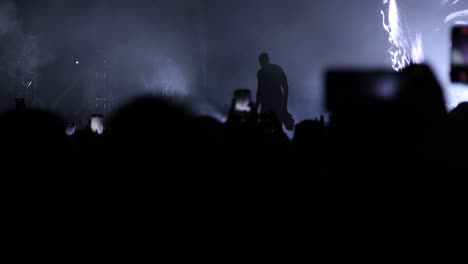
(347,89)
(242,101)
(97,124)
(459,55)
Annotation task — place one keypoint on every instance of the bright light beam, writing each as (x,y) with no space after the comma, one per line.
(457,14)
(404,50)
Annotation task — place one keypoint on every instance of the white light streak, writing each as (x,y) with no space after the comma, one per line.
(407,48)
(457,14)
(404,49)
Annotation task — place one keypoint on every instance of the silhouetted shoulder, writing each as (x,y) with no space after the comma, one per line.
(259,72)
(277,68)
(271,69)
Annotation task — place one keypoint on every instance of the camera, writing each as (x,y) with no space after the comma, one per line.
(348,89)
(459,55)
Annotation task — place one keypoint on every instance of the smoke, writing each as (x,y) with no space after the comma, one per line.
(10,25)
(150,47)
(154,70)
(200,49)
(9,20)
(21,56)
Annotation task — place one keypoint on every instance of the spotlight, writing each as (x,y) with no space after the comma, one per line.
(77,62)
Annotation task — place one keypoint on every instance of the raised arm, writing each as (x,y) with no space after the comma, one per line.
(285,85)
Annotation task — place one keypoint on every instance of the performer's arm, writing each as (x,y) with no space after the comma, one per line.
(258,101)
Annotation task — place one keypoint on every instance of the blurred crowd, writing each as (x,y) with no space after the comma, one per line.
(163,184)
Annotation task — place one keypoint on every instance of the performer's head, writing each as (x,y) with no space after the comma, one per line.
(264,59)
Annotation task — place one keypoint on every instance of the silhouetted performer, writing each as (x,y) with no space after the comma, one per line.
(273,91)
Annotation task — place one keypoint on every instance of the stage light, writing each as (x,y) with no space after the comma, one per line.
(77,62)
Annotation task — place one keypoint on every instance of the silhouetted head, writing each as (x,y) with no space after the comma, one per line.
(422,96)
(264,59)
(149,124)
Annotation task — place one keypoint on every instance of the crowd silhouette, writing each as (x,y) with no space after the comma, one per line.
(163,184)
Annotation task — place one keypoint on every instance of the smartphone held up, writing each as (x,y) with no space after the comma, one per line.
(355,88)
(459,55)
(242,101)
(97,124)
